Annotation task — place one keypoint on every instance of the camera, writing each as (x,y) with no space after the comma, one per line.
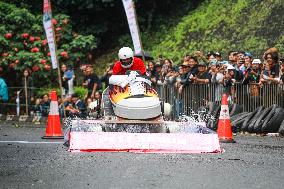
(249,69)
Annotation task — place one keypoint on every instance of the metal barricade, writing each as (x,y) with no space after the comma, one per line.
(195,96)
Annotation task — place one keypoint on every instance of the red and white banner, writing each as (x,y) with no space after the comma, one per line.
(48,27)
(133,26)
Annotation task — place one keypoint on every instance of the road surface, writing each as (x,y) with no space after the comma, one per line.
(27,161)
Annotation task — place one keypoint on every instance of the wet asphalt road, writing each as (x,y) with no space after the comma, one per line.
(253,162)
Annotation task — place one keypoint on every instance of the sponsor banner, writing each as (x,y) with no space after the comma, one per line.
(48,27)
(132,23)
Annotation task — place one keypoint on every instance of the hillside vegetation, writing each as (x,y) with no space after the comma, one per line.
(250,25)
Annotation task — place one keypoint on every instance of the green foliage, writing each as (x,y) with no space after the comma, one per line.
(81,91)
(253,25)
(18,52)
(43,91)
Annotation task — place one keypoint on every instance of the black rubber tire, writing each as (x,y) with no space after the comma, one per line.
(281,129)
(249,118)
(234,117)
(272,124)
(258,124)
(254,119)
(216,112)
(202,108)
(237,124)
(236,109)
(267,117)
(211,107)
(212,124)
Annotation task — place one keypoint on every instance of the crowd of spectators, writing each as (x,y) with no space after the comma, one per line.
(223,71)
(196,68)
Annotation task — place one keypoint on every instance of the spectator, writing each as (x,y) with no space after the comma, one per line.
(229,81)
(37,108)
(224,79)
(67,105)
(167,64)
(68,77)
(94,106)
(28,87)
(170,81)
(247,59)
(213,71)
(171,76)
(252,77)
(200,58)
(78,108)
(45,104)
(218,56)
(178,77)
(185,76)
(159,74)
(271,69)
(212,60)
(151,72)
(106,76)
(193,65)
(211,57)
(252,74)
(233,58)
(202,76)
(3,93)
(270,50)
(91,82)
(186,58)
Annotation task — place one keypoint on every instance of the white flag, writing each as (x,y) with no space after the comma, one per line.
(133,26)
(48,27)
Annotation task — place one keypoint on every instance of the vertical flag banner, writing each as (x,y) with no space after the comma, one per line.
(133,26)
(48,27)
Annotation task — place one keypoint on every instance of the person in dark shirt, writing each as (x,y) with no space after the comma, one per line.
(27,89)
(201,76)
(45,104)
(91,82)
(272,69)
(78,108)
(189,70)
(252,74)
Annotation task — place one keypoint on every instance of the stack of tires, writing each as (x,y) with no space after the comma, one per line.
(261,120)
(214,110)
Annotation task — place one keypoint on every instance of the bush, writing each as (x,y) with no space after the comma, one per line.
(23,44)
(81,91)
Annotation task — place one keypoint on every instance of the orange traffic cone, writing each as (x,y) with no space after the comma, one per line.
(53,129)
(224,130)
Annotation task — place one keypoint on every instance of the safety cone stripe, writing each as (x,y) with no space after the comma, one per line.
(224,113)
(53,108)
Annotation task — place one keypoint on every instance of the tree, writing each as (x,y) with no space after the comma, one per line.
(23,44)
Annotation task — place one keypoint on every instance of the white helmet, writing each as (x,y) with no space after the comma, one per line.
(125,55)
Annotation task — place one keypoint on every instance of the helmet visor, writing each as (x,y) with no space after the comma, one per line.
(126,62)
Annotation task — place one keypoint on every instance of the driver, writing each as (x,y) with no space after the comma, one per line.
(127,61)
